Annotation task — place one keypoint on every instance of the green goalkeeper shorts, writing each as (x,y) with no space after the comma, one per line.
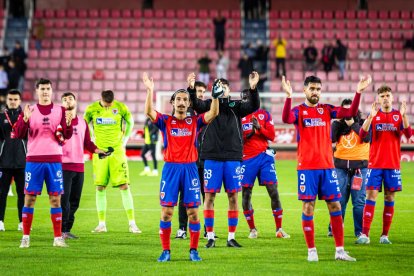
(111,170)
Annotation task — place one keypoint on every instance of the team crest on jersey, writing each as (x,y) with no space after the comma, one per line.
(188,120)
(194,182)
(302,188)
(205,183)
(261,116)
(320,110)
(395,117)
(115,111)
(162,195)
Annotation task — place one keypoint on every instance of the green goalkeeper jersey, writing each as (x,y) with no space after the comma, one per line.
(108,123)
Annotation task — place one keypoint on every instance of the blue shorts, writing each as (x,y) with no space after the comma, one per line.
(37,173)
(183,178)
(218,172)
(390,177)
(261,166)
(323,183)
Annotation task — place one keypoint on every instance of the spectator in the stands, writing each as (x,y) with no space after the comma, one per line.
(219,32)
(4,56)
(280,55)
(13,75)
(222,65)
(341,52)
(328,57)
(4,81)
(246,67)
(38,34)
(18,51)
(204,68)
(310,55)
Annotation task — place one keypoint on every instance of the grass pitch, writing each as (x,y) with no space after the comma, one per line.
(119,252)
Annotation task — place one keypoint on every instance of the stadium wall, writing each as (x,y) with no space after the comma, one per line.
(340,5)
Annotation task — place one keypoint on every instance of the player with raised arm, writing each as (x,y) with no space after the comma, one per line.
(259,162)
(108,117)
(386,126)
(43,122)
(316,171)
(221,148)
(179,174)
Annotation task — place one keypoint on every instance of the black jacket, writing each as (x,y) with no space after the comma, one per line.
(153,131)
(222,139)
(12,151)
(340,128)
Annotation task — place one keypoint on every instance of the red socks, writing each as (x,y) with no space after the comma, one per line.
(387,217)
(165,233)
(27,219)
(194,234)
(308,230)
(249,215)
(369,210)
(337,228)
(278,214)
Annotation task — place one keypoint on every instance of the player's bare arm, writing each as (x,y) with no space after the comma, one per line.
(149,85)
(287,116)
(372,114)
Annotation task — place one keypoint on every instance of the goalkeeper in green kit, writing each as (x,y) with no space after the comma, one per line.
(112,124)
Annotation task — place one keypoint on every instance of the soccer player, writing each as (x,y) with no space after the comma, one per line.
(12,157)
(44,157)
(221,148)
(316,172)
(108,117)
(386,126)
(258,161)
(351,162)
(73,164)
(182,210)
(180,170)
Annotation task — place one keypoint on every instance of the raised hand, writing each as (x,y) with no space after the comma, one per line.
(191,80)
(363,83)
(217,89)
(287,87)
(403,108)
(253,79)
(374,110)
(256,123)
(27,113)
(68,117)
(149,83)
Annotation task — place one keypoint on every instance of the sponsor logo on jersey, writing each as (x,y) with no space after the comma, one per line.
(378,118)
(320,110)
(189,121)
(194,182)
(181,132)
(314,122)
(302,188)
(173,122)
(115,111)
(305,112)
(105,121)
(395,117)
(243,119)
(334,175)
(247,126)
(261,116)
(385,127)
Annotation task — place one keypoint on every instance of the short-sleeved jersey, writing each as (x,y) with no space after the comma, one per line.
(313,125)
(386,130)
(107,123)
(180,137)
(257,143)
